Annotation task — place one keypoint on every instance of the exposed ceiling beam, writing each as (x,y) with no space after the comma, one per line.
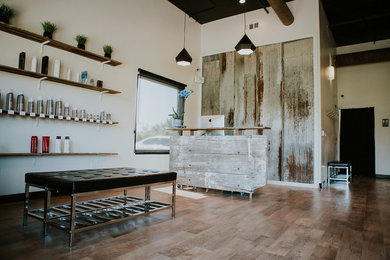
(364,57)
(282,11)
(364,19)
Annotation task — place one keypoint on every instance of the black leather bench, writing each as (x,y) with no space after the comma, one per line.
(75,217)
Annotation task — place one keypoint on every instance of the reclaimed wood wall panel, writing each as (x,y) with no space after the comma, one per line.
(298,98)
(273,87)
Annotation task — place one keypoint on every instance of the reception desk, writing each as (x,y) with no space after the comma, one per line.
(228,163)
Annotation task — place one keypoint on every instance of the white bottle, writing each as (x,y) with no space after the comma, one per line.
(58,146)
(67,144)
(57,67)
(78,77)
(34,64)
(68,75)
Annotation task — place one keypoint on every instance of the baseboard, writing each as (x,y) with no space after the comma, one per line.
(20,196)
(294,184)
(382,176)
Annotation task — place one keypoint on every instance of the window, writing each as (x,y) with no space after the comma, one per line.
(156,96)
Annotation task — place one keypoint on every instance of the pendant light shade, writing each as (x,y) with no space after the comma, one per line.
(245,46)
(184,58)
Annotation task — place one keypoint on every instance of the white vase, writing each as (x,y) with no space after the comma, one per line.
(176,123)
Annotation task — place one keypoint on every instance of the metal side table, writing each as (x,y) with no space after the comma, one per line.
(333,171)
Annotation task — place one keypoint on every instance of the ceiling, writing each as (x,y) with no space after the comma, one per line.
(351,21)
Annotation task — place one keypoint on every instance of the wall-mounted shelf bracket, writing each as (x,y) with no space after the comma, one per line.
(104,62)
(101,95)
(43,44)
(40,81)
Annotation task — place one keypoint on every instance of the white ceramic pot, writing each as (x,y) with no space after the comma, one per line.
(176,123)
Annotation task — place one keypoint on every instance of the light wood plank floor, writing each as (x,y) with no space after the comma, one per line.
(339,222)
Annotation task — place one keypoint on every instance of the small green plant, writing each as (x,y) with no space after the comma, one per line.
(107,49)
(81,39)
(48,29)
(6,13)
(174,115)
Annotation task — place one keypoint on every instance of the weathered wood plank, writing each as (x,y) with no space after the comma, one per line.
(227,87)
(239,85)
(298,98)
(250,87)
(269,98)
(210,89)
(208,161)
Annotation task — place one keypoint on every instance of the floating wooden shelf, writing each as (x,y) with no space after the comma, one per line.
(56,44)
(44,116)
(53,154)
(54,79)
(239,129)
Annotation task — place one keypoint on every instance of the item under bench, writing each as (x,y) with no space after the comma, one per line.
(79,216)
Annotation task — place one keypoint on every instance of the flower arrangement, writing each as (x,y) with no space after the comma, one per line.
(178,115)
(185,93)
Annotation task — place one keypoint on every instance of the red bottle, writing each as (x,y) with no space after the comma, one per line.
(45,144)
(34,144)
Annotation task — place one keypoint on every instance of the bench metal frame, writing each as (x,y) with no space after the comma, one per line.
(79,216)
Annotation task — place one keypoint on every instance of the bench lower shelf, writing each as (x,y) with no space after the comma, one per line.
(89,214)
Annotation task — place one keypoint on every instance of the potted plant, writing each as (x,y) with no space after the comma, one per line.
(176,119)
(48,29)
(107,51)
(6,13)
(81,39)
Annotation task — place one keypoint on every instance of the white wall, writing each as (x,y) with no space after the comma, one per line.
(223,35)
(329,124)
(145,34)
(368,86)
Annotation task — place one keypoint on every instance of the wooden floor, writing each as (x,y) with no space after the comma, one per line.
(339,222)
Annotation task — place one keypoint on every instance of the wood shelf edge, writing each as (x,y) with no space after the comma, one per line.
(27,115)
(220,128)
(54,154)
(54,79)
(56,44)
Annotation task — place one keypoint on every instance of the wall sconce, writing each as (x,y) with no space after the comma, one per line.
(331,72)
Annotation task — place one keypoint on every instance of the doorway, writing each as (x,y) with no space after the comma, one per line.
(357,140)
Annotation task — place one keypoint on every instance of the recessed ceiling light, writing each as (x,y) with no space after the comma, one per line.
(242,1)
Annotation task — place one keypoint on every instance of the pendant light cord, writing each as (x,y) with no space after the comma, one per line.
(184,30)
(245,18)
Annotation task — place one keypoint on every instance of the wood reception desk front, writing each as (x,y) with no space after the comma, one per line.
(228,163)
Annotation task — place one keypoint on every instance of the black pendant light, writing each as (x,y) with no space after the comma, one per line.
(184,58)
(245,45)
